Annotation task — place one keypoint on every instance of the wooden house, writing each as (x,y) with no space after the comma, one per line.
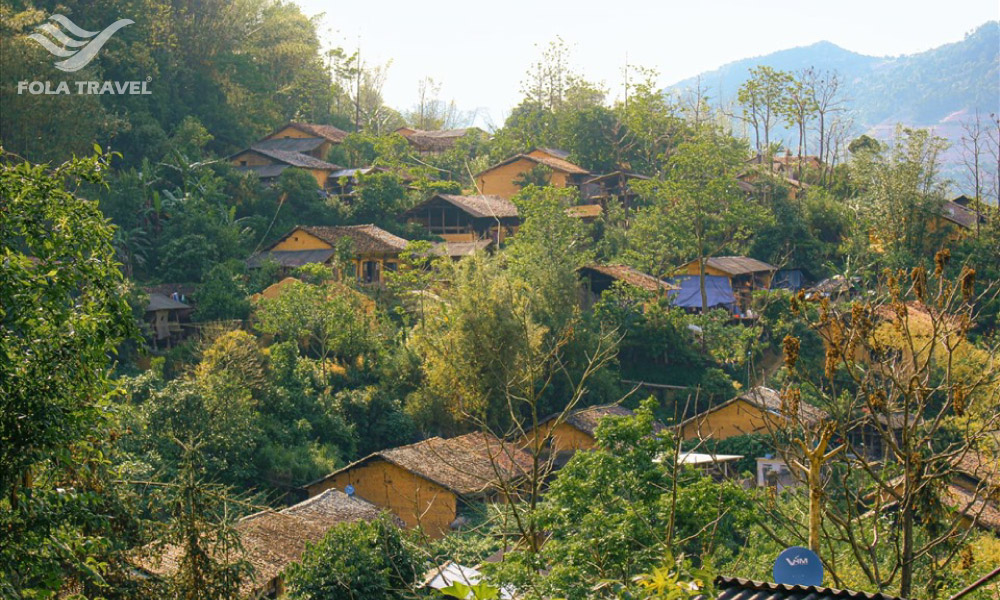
(957,219)
(426,141)
(746,275)
(599,278)
(373,250)
(166,316)
(273,540)
(611,186)
(972,491)
(466,218)
(426,484)
(315,140)
(757,411)
(270,163)
(749,182)
(562,438)
(500,179)
(788,165)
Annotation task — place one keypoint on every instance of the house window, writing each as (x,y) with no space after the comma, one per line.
(243,163)
(369,271)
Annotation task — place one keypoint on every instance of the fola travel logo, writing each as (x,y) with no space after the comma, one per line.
(65,39)
(87,48)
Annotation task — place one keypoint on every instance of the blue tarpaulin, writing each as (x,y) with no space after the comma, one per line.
(789,279)
(718,289)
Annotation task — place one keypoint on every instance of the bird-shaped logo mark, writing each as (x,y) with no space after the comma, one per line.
(77,52)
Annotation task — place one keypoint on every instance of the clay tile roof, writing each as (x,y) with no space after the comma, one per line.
(290,144)
(739,265)
(557,164)
(737,588)
(295,159)
(463,464)
(959,215)
(367,239)
(587,419)
(272,540)
(980,467)
(481,206)
(770,399)
(632,277)
(766,399)
(975,506)
(328,132)
(433,140)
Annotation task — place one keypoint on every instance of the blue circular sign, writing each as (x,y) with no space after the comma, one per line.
(349,490)
(798,566)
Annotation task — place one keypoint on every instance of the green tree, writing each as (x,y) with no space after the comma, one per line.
(900,198)
(375,560)
(331,322)
(63,312)
(697,211)
(211,564)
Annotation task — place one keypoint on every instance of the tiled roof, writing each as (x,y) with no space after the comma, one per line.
(770,399)
(295,159)
(467,465)
(632,277)
(617,175)
(552,162)
(481,206)
(291,258)
(766,399)
(959,215)
(736,588)
(366,238)
(328,132)
(272,540)
(739,265)
(434,140)
(587,419)
(290,144)
(264,171)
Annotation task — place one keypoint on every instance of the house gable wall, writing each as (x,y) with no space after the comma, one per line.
(415,500)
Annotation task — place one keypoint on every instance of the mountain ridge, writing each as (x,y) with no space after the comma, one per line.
(936,88)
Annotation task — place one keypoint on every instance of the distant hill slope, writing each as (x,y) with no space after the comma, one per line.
(937,88)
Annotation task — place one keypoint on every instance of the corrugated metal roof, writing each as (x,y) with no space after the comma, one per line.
(736,588)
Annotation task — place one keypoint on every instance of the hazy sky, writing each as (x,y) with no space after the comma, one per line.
(480,51)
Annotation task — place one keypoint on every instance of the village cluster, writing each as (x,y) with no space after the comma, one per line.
(428,484)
